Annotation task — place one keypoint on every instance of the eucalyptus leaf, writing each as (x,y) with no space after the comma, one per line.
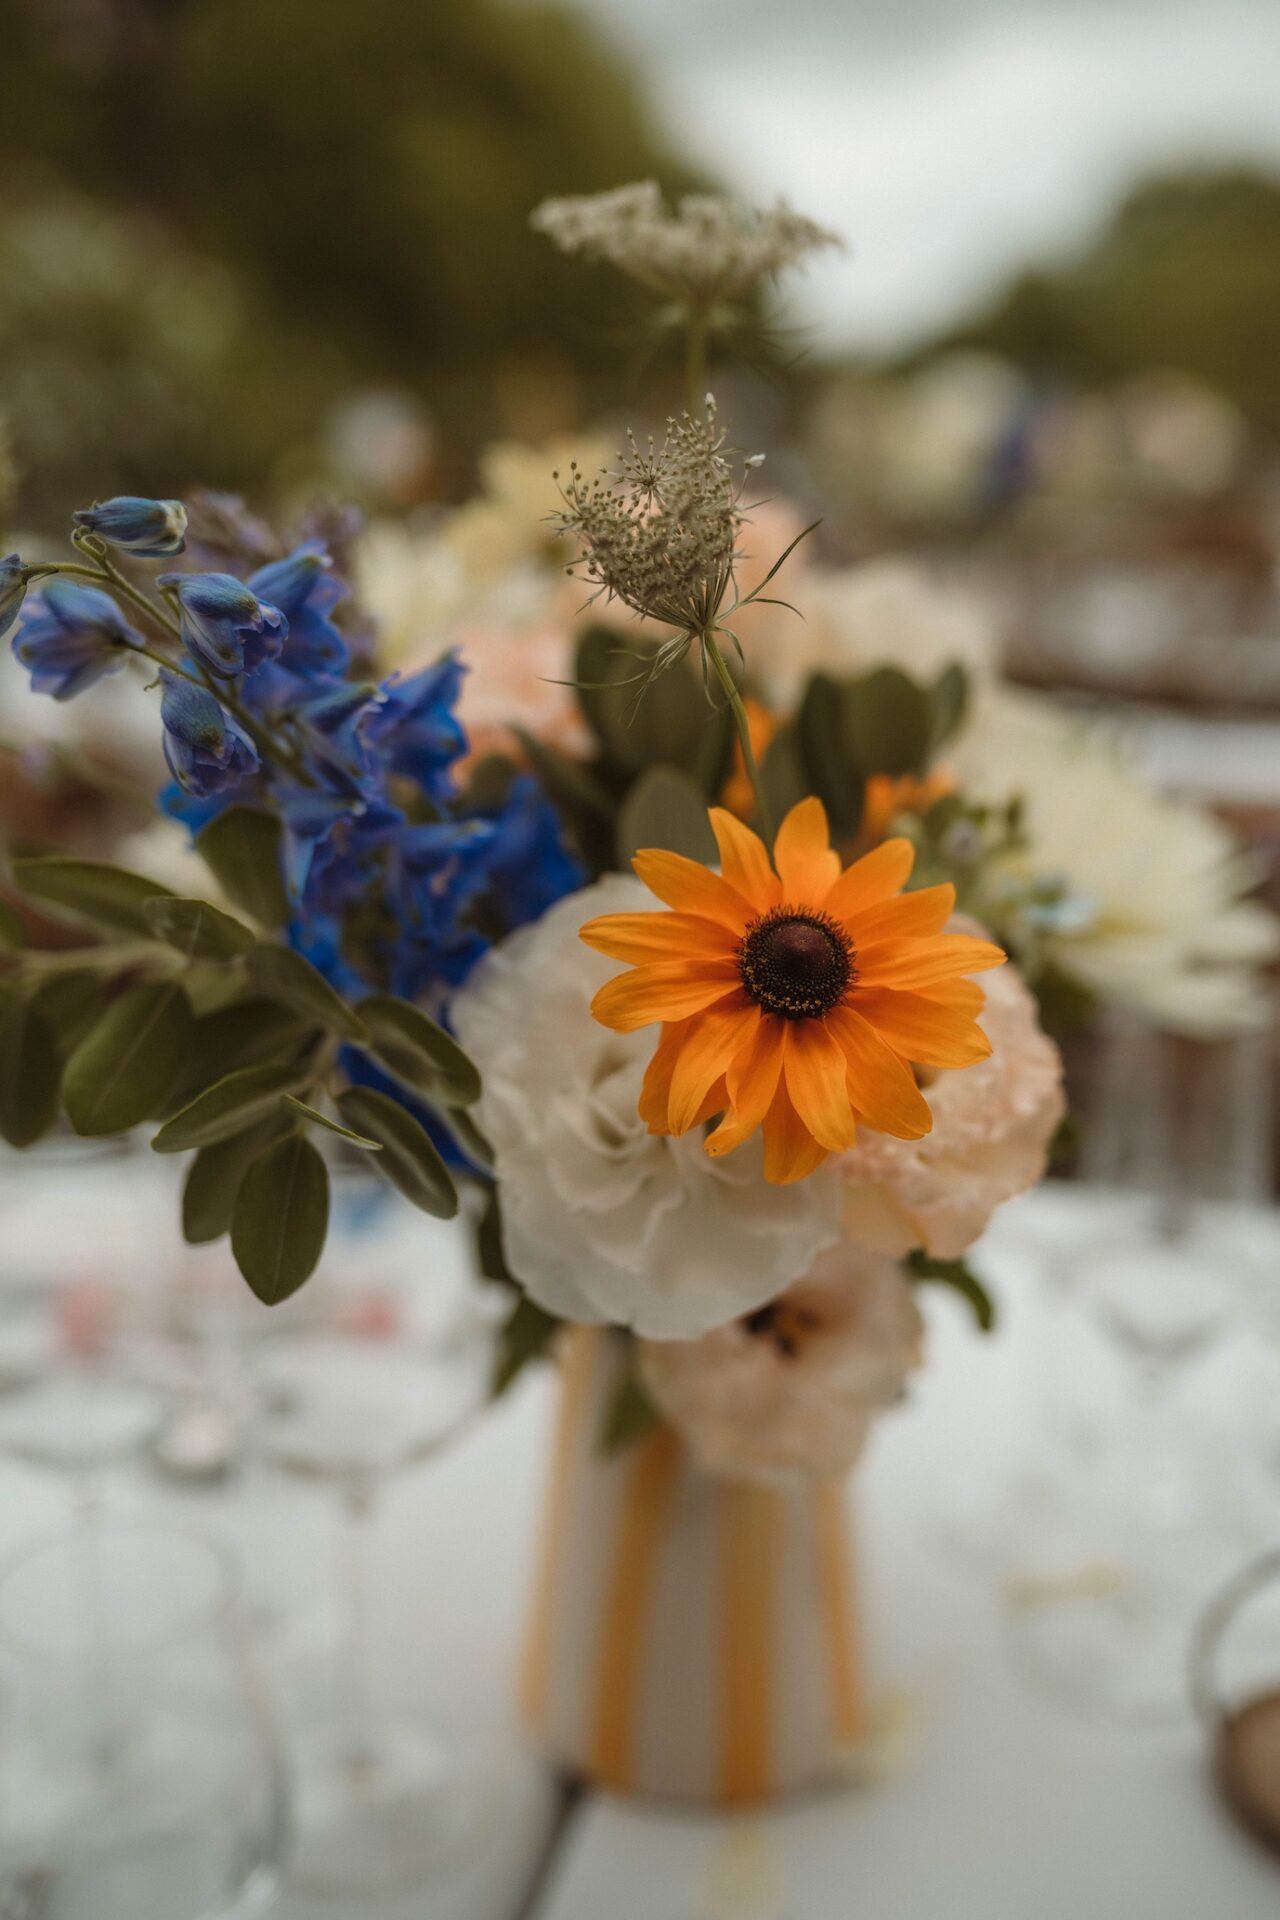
(125,1065)
(712,762)
(254,1033)
(30,1071)
(888,722)
(214,1176)
(834,772)
(469,1137)
(242,849)
(280,1219)
(286,975)
(230,1105)
(418,1051)
(526,1335)
(409,1159)
(198,929)
(318,1119)
(70,1003)
(629,1413)
(665,808)
(90,890)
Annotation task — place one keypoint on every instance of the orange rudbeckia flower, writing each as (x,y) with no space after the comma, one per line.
(792,1000)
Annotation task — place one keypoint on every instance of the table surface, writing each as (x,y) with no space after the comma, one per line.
(999,1801)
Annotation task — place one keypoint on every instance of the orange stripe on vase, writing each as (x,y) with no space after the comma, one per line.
(627,1605)
(840,1623)
(575,1387)
(749,1652)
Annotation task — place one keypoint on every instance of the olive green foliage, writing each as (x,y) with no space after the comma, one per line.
(1187,276)
(177,1012)
(235,210)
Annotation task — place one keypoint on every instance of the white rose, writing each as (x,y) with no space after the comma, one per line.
(603,1221)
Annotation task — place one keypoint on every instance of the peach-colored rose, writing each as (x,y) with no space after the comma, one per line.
(789,1392)
(516,677)
(992,1124)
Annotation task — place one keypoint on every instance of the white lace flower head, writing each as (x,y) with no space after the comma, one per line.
(603,1221)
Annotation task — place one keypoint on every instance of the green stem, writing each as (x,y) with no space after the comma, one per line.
(764,813)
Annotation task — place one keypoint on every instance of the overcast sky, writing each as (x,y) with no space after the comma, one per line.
(950,140)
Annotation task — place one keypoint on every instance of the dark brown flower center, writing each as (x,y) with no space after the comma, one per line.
(796,962)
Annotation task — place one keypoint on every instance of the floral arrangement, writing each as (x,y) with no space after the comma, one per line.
(696,965)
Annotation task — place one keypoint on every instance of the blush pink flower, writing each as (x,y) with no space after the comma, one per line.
(789,1392)
(992,1125)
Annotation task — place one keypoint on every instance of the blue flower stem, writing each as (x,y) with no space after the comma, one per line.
(764,812)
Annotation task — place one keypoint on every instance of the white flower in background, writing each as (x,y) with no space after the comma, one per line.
(992,1125)
(1152,914)
(790,1391)
(882,613)
(603,1221)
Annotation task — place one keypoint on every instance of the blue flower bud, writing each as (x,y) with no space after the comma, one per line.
(207,750)
(224,624)
(71,636)
(13,590)
(148,528)
(415,729)
(306,590)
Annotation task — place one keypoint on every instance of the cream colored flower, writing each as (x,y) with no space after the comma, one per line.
(991,1128)
(602,1220)
(789,1392)
(1152,914)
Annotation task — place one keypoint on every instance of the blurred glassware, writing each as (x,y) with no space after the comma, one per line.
(138,1773)
(1151,1506)
(389,1373)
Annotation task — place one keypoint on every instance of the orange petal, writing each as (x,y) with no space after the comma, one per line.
(907,916)
(872,879)
(790,1150)
(744,861)
(817,1080)
(713,1040)
(640,937)
(802,852)
(881,1086)
(662,993)
(923,1030)
(691,888)
(655,1094)
(750,1085)
(919,963)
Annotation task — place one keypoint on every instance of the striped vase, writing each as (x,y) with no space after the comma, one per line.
(690,1638)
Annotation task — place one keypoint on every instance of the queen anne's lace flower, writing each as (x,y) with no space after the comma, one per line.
(602,1220)
(708,249)
(789,1392)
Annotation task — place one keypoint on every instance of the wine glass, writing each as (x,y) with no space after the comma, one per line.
(138,1774)
(1151,1505)
(393,1363)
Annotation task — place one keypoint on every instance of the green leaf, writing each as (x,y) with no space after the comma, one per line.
(526,1335)
(30,1072)
(127,1062)
(418,1051)
(89,890)
(608,674)
(240,1100)
(490,1252)
(469,1137)
(782,773)
(888,723)
(629,1414)
(280,1219)
(70,1004)
(214,1176)
(319,1119)
(242,849)
(198,929)
(571,785)
(12,932)
(712,764)
(665,808)
(834,773)
(286,975)
(955,1274)
(409,1159)
(948,702)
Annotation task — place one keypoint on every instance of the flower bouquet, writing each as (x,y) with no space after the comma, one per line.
(686,985)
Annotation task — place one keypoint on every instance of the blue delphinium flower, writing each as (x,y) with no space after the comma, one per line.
(306,590)
(224,624)
(13,590)
(149,528)
(528,867)
(415,729)
(206,748)
(71,636)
